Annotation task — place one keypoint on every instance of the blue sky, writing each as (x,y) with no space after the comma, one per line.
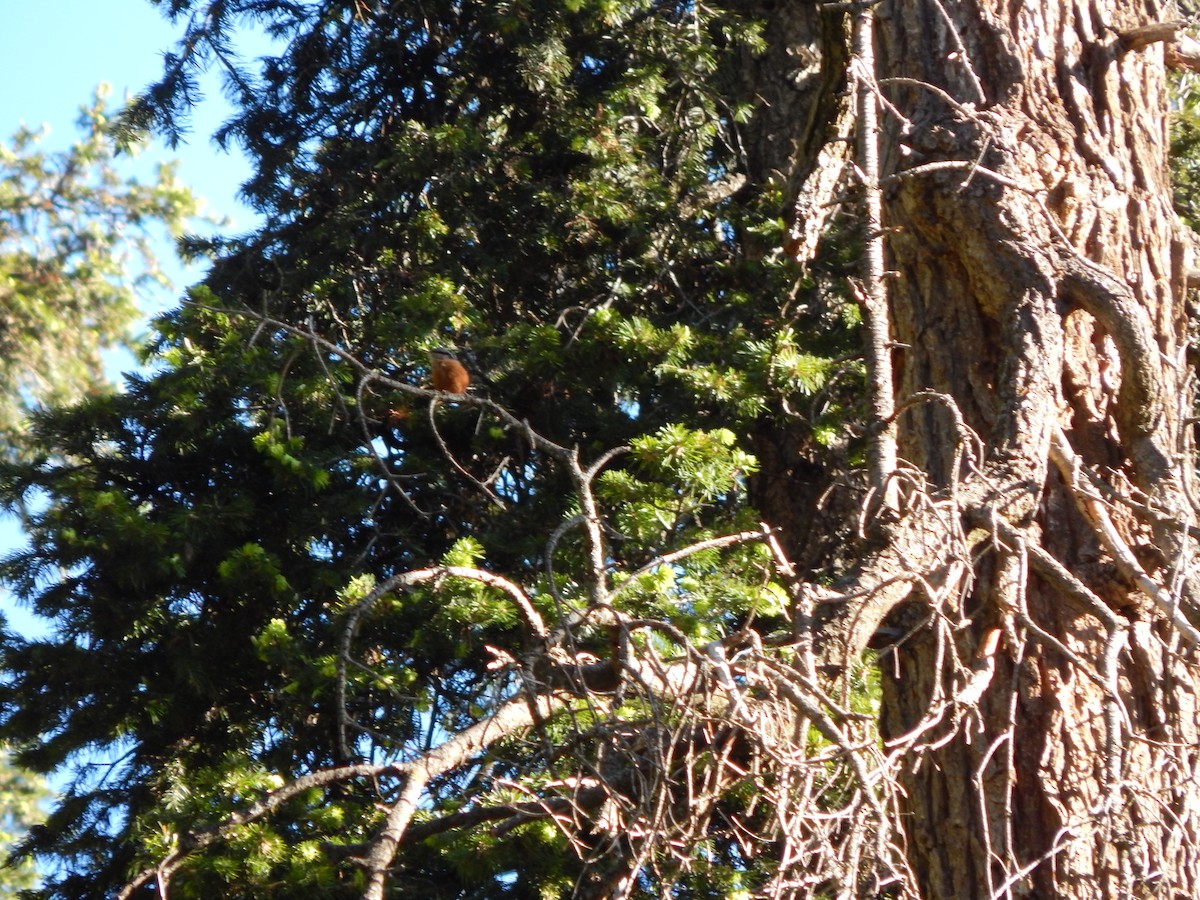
(52,57)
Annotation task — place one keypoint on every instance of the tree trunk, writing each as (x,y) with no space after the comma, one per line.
(1038,283)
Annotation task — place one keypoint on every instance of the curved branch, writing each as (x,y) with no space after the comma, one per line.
(1109,300)
(450,457)
(551,547)
(921,547)
(409,579)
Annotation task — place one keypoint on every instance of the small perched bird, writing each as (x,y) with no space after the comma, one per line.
(449,375)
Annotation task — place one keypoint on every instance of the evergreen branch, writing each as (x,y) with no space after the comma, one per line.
(410,579)
(194,841)
(516,715)
(568,457)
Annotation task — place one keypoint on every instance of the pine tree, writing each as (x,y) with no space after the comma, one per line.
(77,241)
(688,595)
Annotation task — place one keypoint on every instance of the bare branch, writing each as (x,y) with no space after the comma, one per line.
(873,295)
(453,460)
(1145,35)
(1093,509)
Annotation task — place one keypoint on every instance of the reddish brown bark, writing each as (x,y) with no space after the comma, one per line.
(1038,284)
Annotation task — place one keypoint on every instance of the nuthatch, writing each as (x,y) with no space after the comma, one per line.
(449,375)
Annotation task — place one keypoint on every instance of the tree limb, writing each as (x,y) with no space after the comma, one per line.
(1093,510)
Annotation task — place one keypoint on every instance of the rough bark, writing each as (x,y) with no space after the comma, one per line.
(1038,284)
(796,142)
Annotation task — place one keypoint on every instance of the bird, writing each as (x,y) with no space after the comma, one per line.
(449,375)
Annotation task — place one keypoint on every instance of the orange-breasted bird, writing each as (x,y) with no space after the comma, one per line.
(449,375)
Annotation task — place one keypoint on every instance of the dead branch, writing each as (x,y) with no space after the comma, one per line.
(1144,35)
(452,459)
(873,295)
(1183,54)
(1094,512)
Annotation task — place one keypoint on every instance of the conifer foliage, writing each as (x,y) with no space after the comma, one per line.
(606,625)
(283,570)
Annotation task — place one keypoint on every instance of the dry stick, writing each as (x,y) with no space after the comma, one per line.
(981,774)
(1116,717)
(369,442)
(960,52)
(873,298)
(1145,35)
(585,797)
(450,458)
(834,735)
(1061,842)
(1184,451)
(1145,511)
(1114,714)
(1019,657)
(532,618)
(1062,580)
(1093,510)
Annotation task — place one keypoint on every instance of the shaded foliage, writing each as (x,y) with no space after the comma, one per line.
(76,247)
(559,190)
